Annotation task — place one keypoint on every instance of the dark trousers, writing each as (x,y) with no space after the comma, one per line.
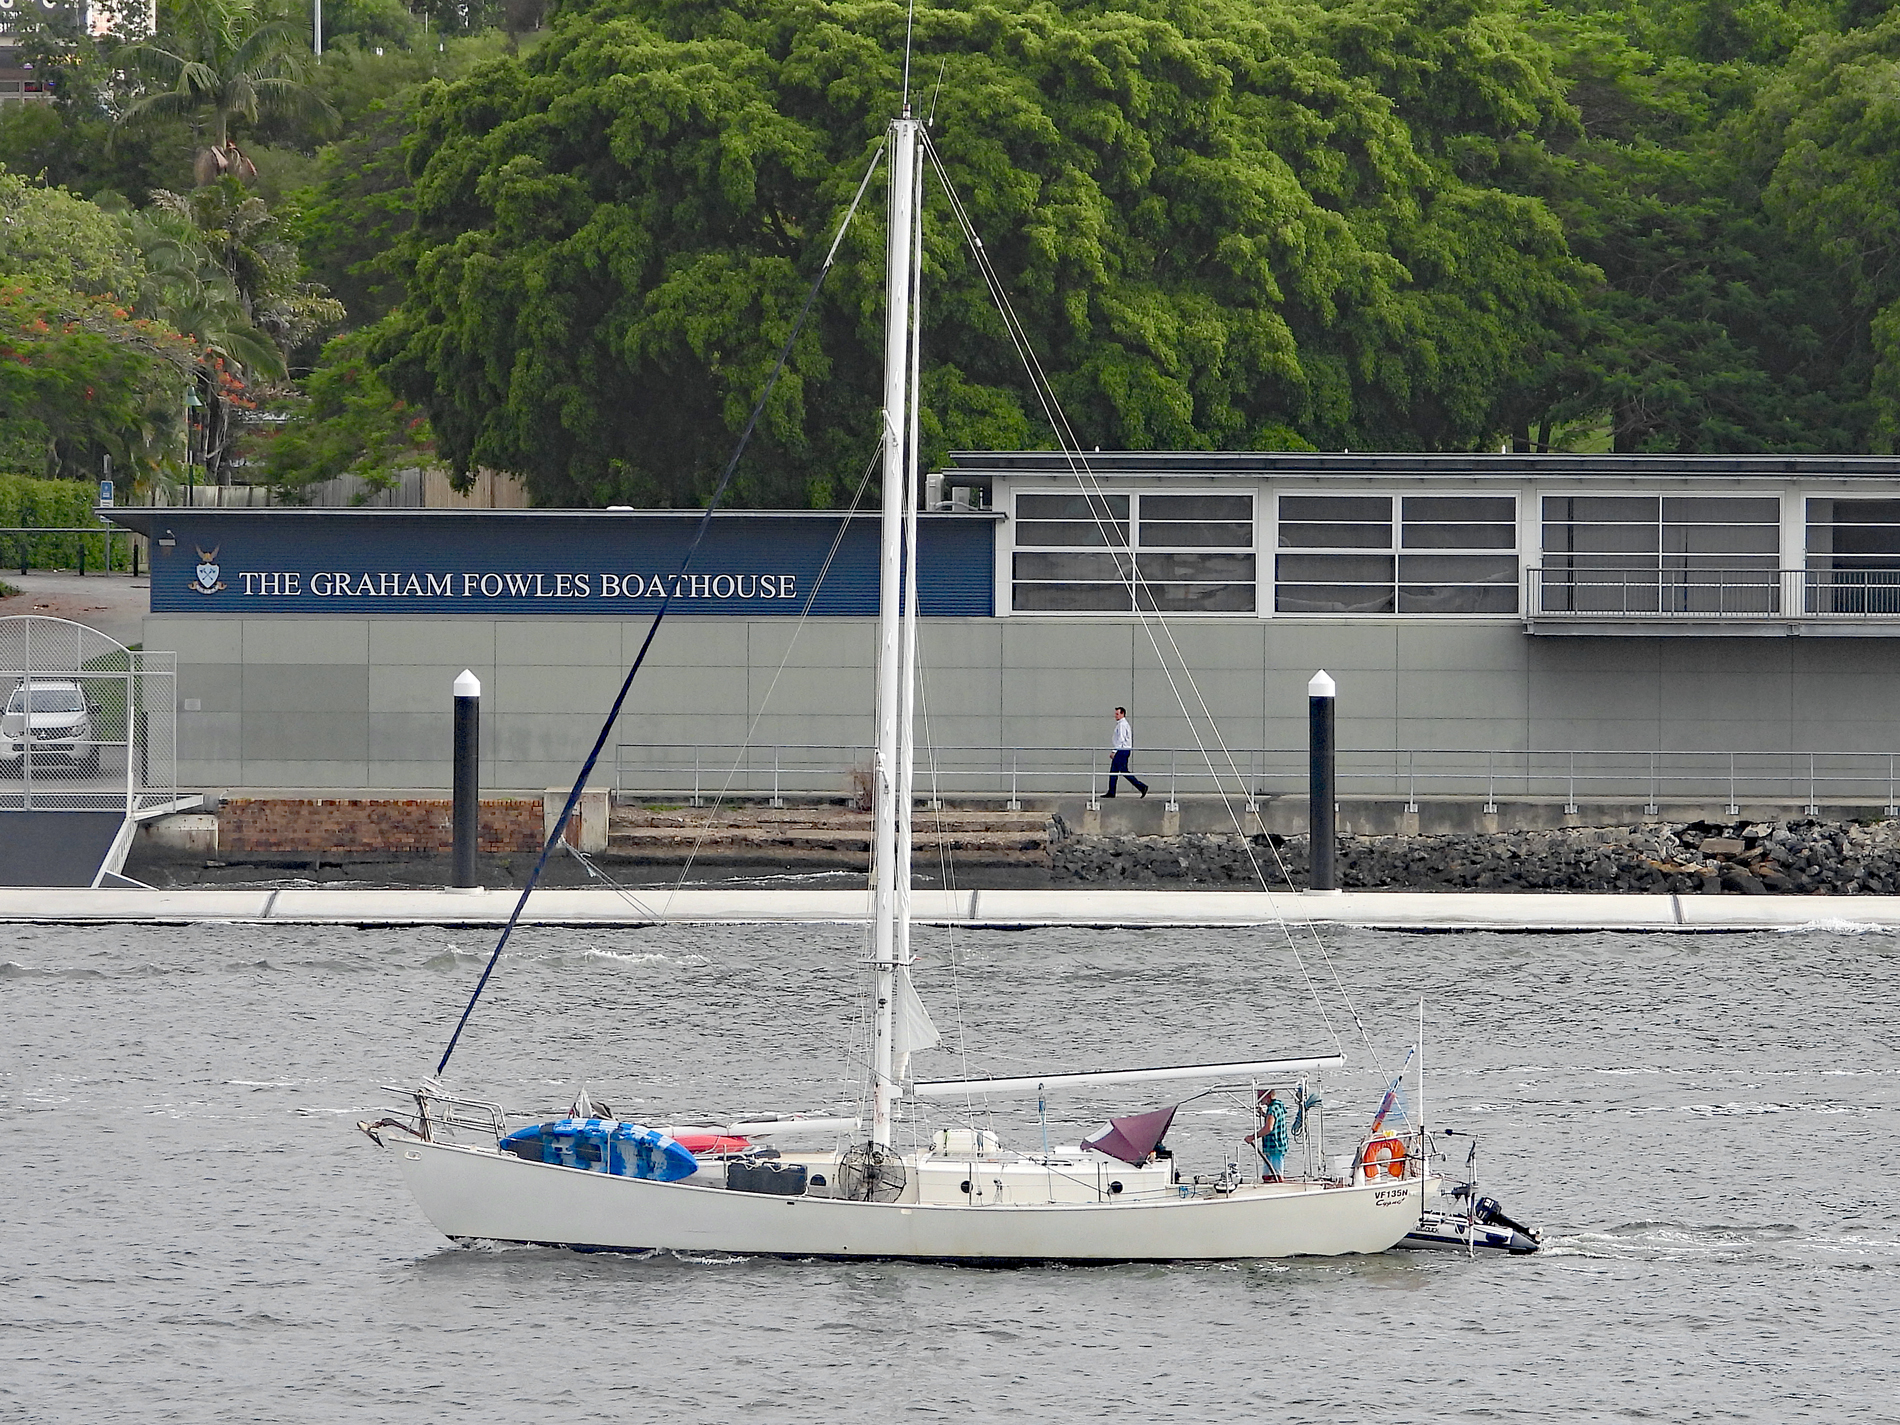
(1120,764)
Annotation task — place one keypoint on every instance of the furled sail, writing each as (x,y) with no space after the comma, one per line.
(913,1029)
(1036,1083)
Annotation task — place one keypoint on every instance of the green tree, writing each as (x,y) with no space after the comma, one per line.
(1715,327)
(361,204)
(1217,223)
(237,232)
(82,374)
(221,273)
(347,422)
(221,61)
(81,377)
(1831,121)
(72,142)
(51,237)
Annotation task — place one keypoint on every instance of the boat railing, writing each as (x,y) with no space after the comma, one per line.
(1650,779)
(432,1109)
(1392,1158)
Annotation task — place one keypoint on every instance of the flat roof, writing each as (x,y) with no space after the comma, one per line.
(1466,465)
(144,519)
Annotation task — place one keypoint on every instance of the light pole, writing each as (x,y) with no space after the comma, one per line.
(192,403)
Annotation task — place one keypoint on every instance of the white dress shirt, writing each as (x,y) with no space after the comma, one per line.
(1124,735)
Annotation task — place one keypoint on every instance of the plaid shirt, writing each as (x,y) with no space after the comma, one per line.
(1275,1134)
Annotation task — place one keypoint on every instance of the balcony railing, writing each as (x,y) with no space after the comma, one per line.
(702,774)
(1727,595)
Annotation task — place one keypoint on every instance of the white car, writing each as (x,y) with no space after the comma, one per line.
(57,726)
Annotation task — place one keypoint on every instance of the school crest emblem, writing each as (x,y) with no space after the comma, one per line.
(207,581)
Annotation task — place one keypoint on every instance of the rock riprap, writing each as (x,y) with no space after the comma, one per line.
(1803,857)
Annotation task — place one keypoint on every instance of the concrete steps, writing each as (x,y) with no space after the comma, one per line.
(820,835)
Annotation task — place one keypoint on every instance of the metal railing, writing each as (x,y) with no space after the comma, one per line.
(22,546)
(697,774)
(1735,594)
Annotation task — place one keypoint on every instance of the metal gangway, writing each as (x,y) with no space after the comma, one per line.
(88,749)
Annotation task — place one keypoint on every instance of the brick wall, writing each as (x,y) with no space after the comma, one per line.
(355,827)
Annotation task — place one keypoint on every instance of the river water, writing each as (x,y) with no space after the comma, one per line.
(1706,1128)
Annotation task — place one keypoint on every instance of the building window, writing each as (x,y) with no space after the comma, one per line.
(1650,554)
(1408,554)
(1098,553)
(1853,556)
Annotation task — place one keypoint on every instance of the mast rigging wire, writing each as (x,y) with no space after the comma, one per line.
(1070,447)
(765,702)
(659,615)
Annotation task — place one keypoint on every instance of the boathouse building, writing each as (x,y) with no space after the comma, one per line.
(1638,612)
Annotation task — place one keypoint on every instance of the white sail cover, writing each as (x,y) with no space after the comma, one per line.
(913,1029)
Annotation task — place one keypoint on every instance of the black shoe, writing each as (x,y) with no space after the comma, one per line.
(1108,794)
(1144,791)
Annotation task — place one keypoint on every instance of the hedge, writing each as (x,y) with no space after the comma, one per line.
(27,503)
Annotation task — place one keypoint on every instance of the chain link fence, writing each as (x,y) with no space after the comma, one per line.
(86,724)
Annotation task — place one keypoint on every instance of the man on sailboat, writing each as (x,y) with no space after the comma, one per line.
(1123,746)
(1273,1137)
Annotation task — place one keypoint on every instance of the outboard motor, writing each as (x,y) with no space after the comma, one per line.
(1492,1214)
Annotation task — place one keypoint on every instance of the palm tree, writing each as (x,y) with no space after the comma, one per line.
(192,291)
(221,61)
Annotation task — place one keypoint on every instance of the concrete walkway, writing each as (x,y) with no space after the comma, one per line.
(115,604)
(1385,910)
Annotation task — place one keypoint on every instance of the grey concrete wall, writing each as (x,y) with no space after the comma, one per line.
(364,703)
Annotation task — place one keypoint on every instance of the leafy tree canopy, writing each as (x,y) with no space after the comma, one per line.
(215,63)
(347,422)
(52,237)
(1224,223)
(1720,324)
(81,373)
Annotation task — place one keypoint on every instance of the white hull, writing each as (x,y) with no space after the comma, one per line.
(482,1194)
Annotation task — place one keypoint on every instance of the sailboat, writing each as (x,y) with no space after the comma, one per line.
(592,1181)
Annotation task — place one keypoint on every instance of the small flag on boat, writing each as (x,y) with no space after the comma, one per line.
(1391,1098)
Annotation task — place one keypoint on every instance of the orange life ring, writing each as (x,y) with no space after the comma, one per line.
(1384,1157)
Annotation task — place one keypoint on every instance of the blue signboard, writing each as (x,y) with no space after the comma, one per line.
(561,563)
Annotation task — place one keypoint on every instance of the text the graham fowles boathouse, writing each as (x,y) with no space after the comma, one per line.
(539,584)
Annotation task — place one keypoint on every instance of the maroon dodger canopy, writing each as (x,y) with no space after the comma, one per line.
(1134,1138)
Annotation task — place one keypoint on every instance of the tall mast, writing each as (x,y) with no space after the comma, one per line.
(884,902)
(907,637)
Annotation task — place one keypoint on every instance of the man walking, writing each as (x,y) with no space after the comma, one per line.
(1124,744)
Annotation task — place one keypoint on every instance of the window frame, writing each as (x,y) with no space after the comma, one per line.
(1135,549)
(1678,578)
(1395,550)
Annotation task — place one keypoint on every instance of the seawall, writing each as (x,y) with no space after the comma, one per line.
(1794,857)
